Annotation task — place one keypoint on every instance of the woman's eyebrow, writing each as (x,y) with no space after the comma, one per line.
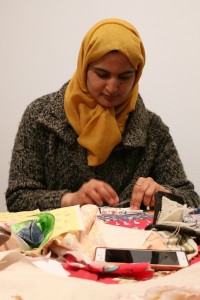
(105,70)
(100,69)
(128,71)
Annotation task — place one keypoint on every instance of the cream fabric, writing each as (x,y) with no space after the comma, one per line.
(18,277)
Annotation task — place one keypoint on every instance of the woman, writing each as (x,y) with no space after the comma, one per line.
(94,141)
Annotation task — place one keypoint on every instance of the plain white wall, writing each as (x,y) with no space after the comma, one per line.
(38,53)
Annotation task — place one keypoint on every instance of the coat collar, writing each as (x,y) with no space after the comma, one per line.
(137,126)
(53,117)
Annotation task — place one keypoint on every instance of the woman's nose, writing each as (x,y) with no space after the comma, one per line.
(112,85)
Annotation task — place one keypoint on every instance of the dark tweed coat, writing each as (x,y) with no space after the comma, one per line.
(47,161)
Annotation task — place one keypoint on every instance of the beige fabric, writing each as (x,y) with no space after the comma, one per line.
(18,277)
(172,213)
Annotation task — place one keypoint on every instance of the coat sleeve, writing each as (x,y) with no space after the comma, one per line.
(27,188)
(169,171)
(162,162)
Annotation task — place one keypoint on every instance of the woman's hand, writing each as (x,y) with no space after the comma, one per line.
(92,192)
(143,192)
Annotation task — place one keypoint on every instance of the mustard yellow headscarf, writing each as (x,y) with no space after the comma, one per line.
(100,129)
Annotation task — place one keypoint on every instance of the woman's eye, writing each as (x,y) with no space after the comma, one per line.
(107,75)
(102,75)
(124,77)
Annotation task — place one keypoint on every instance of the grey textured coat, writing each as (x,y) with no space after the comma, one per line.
(47,161)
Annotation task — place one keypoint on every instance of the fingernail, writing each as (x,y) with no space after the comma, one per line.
(114,201)
(134,207)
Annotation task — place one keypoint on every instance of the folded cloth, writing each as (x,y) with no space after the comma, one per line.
(31,234)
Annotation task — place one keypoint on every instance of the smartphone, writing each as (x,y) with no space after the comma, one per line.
(158,259)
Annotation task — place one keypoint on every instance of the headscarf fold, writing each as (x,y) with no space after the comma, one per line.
(100,129)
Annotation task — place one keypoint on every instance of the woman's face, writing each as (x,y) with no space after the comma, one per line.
(110,79)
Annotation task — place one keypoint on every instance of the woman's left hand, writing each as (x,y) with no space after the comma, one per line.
(143,192)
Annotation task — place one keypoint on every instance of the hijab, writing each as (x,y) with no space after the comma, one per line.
(100,129)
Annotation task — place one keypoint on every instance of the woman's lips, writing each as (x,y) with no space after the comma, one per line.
(110,97)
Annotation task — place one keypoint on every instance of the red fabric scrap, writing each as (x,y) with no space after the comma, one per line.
(137,271)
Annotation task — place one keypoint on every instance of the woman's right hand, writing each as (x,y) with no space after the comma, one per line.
(92,192)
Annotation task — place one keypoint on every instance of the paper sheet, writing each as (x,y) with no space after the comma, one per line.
(17,216)
(66,218)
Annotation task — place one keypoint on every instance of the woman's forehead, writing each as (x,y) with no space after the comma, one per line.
(113,58)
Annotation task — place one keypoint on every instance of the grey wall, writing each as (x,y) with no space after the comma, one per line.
(38,53)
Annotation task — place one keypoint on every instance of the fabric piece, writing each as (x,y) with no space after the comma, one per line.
(10,240)
(196,258)
(49,265)
(171,211)
(165,240)
(141,271)
(135,221)
(122,237)
(89,119)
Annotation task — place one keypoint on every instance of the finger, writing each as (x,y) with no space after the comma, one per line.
(140,181)
(149,195)
(139,191)
(83,198)
(108,194)
(137,197)
(152,203)
(89,195)
(100,191)
(94,196)
(157,188)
